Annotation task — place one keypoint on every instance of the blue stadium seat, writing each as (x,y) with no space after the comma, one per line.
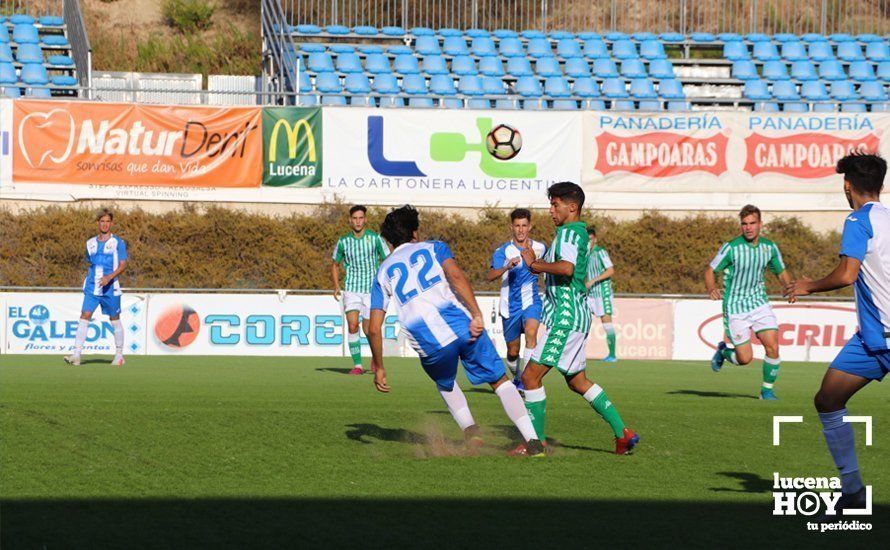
(386,84)
(370,48)
(813,90)
(415,84)
(442,85)
(642,36)
(305,82)
(422,31)
(873,91)
(848,107)
(595,49)
(861,71)
(312,48)
(880,107)
(511,47)
(784,37)
(671,89)
(493,86)
(334,48)
(729,37)
(676,106)
(365,30)
(56,40)
(60,61)
(22,19)
(328,83)
(4,34)
(702,37)
(594,104)
(868,38)
(803,71)
(605,68)
(642,88)
(557,86)
(392,31)
(362,101)
(531,34)
(68,80)
(633,68)
(877,51)
(307,29)
(519,66)
(483,46)
(824,107)
(795,107)
(464,65)
(821,51)
(491,66)
(884,70)
(561,35)
(614,88)
(320,62)
(849,51)
(568,48)
(565,105)
(25,34)
(624,49)
(832,70)
(539,47)
(650,105)
(399,50)
(406,64)
(506,104)
(794,51)
(652,49)
(586,88)
(478,103)
(12,92)
(756,90)
(427,45)
(349,63)
(505,33)
(338,30)
(470,85)
(333,100)
(757,37)
(775,70)
(534,105)
(843,90)
(29,53)
(671,37)
(34,73)
(813,37)
(840,37)
(785,90)
(455,45)
(448,32)
(451,103)
(623,105)
(392,101)
(478,33)
(588,35)
(548,66)
(528,86)
(735,51)
(765,51)
(744,70)
(5,53)
(377,63)
(7,74)
(577,68)
(766,106)
(357,84)
(51,21)
(435,64)
(615,36)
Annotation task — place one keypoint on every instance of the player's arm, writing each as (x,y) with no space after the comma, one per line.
(711,284)
(375,340)
(722,260)
(844,274)
(464,291)
(607,274)
(500,265)
(121,266)
(336,258)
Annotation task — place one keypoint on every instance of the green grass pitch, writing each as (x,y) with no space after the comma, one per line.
(185,452)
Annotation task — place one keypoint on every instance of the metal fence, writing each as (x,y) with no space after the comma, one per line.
(685,16)
(81,51)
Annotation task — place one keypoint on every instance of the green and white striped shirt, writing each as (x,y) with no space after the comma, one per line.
(599,261)
(362,256)
(742,264)
(565,298)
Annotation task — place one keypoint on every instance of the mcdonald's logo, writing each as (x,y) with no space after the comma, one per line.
(293,134)
(292,147)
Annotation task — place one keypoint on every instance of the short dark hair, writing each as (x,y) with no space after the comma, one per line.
(568,192)
(521,214)
(358,208)
(400,224)
(591,230)
(748,210)
(104,212)
(865,172)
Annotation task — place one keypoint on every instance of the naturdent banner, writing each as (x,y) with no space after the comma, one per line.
(123,144)
(292,147)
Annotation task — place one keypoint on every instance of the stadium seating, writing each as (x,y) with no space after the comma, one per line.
(35,56)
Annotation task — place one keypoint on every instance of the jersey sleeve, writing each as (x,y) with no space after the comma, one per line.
(607,261)
(121,250)
(776,263)
(382,249)
(723,259)
(499,258)
(379,294)
(857,232)
(566,247)
(337,256)
(441,251)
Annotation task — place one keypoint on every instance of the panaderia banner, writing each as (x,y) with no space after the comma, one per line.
(119,144)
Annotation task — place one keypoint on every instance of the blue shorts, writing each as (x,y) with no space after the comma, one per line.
(514,325)
(111,305)
(857,359)
(480,358)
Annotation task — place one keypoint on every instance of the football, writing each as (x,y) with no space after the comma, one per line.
(503,142)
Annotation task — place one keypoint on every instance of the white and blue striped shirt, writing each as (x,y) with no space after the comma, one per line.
(104,257)
(519,286)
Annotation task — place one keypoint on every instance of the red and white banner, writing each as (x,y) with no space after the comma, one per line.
(644,329)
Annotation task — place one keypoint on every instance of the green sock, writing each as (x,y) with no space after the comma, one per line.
(729,355)
(610,337)
(601,404)
(770,372)
(355,348)
(536,405)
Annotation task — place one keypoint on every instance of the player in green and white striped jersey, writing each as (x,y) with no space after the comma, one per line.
(361,250)
(599,294)
(745,303)
(563,337)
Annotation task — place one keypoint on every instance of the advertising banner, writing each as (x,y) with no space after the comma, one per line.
(292,147)
(808,331)
(125,145)
(643,329)
(439,157)
(39,322)
(5,141)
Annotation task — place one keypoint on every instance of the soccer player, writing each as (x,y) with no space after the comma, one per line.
(442,321)
(107,255)
(566,318)
(745,302)
(599,290)
(520,304)
(361,250)
(864,254)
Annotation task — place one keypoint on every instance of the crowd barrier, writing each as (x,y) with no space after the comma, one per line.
(62,151)
(281,324)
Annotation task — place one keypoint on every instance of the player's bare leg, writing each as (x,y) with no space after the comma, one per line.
(625,438)
(531,342)
(355,341)
(513,358)
(83,324)
(770,341)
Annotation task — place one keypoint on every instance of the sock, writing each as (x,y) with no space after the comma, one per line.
(536,405)
(610,337)
(80,336)
(839,436)
(601,404)
(513,365)
(729,355)
(457,406)
(118,337)
(770,372)
(515,408)
(355,348)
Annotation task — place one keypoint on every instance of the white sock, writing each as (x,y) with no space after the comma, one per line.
(526,357)
(118,337)
(594,392)
(80,336)
(515,409)
(457,406)
(609,327)
(533,396)
(512,365)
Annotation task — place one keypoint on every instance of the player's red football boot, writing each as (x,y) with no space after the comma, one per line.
(625,445)
(357,370)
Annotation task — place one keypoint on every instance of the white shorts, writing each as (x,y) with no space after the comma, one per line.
(357,301)
(561,348)
(738,327)
(600,306)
